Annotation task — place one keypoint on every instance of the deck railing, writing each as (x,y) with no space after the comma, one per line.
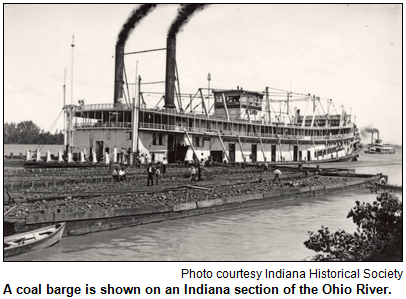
(182,128)
(102,125)
(111,106)
(202,130)
(196,114)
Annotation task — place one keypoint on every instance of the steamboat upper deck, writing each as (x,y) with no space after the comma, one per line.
(228,121)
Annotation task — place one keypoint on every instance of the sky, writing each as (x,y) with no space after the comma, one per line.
(349,53)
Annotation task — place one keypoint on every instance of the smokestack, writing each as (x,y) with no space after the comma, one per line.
(372,138)
(135,17)
(378,135)
(170,72)
(184,13)
(118,77)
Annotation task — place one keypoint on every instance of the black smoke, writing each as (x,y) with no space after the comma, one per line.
(184,13)
(136,16)
(365,131)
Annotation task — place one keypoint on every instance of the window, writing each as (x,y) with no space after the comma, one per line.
(158,140)
(198,141)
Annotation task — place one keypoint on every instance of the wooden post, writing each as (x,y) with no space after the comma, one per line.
(224,148)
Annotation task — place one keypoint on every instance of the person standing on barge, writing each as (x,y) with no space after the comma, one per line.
(192,173)
(150,171)
(164,163)
(157,175)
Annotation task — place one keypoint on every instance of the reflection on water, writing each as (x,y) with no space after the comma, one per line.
(273,232)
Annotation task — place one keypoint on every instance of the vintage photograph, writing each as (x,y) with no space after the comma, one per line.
(202,132)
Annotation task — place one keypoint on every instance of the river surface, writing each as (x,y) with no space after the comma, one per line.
(266,233)
(17,149)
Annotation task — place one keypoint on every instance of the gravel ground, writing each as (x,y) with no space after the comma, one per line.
(80,174)
(131,200)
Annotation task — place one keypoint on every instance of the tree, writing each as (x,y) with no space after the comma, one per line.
(26,132)
(10,133)
(379,235)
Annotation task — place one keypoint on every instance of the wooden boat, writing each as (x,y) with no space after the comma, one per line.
(389,187)
(33,240)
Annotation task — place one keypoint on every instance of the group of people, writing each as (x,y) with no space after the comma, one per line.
(144,159)
(153,172)
(119,175)
(196,170)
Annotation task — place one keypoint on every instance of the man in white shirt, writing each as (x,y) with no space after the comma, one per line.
(277,173)
(164,163)
(121,174)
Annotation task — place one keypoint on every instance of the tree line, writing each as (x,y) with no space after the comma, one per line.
(26,132)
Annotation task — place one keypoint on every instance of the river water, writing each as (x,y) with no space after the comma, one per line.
(266,233)
(18,149)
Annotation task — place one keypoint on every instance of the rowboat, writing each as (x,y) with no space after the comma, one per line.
(33,240)
(389,187)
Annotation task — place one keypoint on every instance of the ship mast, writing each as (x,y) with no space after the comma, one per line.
(64,110)
(69,113)
(71,81)
(135,113)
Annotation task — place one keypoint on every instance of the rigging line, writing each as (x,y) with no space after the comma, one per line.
(41,145)
(153,92)
(142,98)
(270,100)
(125,98)
(153,138)
(53,125)
(177,79)
(321,106)
(148,83)
(192,99)
(278,93)
(176,94)
(287,91)
(159,101)
(278,89)
(212,106)
(126,82)
(156,82)
(196,107)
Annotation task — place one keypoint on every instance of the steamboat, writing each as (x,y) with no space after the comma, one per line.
(240,126)
(378,147)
